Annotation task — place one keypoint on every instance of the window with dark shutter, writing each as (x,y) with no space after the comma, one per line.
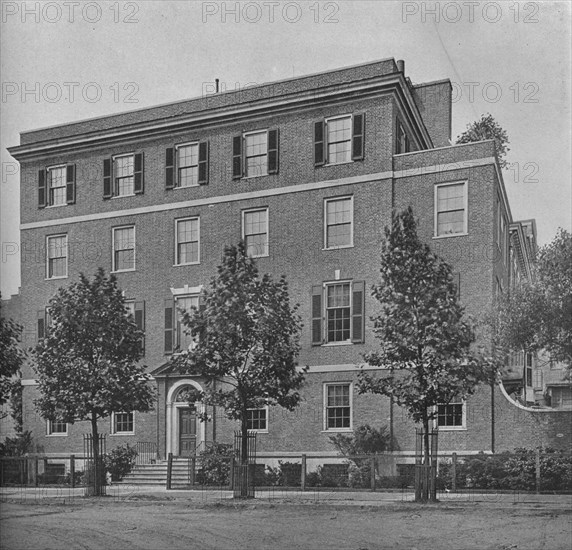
(70,184)
(273,156)
(319,144)
(317,333)
(358,137)
(107,190)
(358,291)
(42,191)
(169,325)
(138,174)
(41,324)
(203,162)
(237,157)
(170,168)
(140,321)
(457,283)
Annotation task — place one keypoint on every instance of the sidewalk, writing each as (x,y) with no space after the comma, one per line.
(277,495)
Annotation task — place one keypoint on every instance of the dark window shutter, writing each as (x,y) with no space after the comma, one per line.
(317,333)
(138,175)
(169,168)
(273,157)
(140,321)
(70,183)
(41,324)
(457,283)
(237,157)
(358,137)
(169,326)
(42,189)
(203,162)
(319,143)
(107,192)
(358,320)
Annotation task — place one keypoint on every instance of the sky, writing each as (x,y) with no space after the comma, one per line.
(63,61)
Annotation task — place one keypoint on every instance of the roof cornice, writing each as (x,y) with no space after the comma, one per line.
(392,83)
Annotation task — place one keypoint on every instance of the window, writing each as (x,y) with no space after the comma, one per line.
(341,317)
(339,135)
(137,310)
(57,185)
(403,145)
(57,428)
(123,175)
(57,261)
(124,248)
(187,241)
(338,312)
(122,423)
(184,341)
(257,419)
(255,154)
(255,232)
(450,209)
(339,139)
(188,165)
(123,168)
(339,222)
(451,415)
(338,407)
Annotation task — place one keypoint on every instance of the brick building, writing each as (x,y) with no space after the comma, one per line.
(308,171)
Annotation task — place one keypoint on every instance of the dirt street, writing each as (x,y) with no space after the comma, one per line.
(163,523)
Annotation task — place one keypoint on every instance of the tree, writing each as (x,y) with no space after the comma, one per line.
(246,336)
(425,345)
(11,356)
(87,365)
(487,128)
(554,275)
(537,314)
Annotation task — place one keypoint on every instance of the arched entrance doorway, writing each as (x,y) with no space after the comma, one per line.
(185,433)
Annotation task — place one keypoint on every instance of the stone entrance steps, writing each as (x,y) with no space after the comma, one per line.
(156,474)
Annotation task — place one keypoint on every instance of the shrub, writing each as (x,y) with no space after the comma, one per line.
(215,464)
(290,474)
(120,461)
(19,445)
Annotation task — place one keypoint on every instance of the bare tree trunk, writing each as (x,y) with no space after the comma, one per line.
(426,459)
(244,455)
(97,473)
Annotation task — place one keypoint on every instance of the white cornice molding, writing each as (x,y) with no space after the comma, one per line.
(267,107)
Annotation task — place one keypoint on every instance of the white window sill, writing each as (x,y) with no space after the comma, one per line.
(190,263)
(124,271)
(338,247)
(450,235)
(335,344)
(56,435)
(185,186)
(259,431)
(56,205)
(261,256)
(338,163)
(122,196)
(337,430)
(56,278)
(121,433)
(452,428)
(252,177)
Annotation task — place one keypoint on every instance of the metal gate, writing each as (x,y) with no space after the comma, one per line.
(94,470)
(243,471)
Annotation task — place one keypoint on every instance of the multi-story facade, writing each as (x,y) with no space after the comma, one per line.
(308,172)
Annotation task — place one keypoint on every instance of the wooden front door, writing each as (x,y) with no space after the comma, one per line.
(187,431)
